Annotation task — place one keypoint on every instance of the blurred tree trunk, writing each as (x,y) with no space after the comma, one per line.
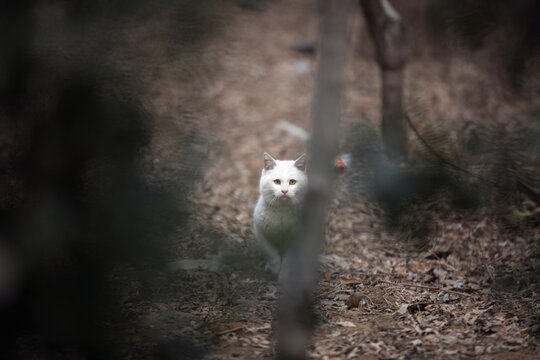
(388,33)
(296,318)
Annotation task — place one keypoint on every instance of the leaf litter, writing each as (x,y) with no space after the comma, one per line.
(473,292)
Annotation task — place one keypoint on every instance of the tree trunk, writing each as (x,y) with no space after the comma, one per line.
(296,318)
(388,33)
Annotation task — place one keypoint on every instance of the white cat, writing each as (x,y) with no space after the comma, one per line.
(283,187)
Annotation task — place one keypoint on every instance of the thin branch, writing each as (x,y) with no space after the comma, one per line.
(428,287)
(439,156)
(234,329)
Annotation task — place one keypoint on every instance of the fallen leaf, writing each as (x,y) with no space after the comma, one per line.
(334,261)
(351,281)
(479,350)
(401,271)
(346,324)
(431,338)
(376,346)
(403,309)
(327,275)
(446,298)
(341,297)
(353,300)
(420,267)
(450,340)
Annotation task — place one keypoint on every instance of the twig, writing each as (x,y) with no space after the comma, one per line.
(234,329)
(430,149)
(344,351)
(428,287)
(440,157)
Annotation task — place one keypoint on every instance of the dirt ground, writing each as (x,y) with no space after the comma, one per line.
(472,293)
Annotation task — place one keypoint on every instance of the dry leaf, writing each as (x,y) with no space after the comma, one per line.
(351,281)
(403,309)
(376,346)
(327,275)
(346,324)
(353,300)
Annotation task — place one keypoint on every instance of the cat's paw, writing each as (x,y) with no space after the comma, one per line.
(272,269)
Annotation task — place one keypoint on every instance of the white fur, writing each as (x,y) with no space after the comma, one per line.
(275,218)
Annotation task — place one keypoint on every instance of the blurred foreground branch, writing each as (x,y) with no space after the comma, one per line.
(300,265)
(82,206)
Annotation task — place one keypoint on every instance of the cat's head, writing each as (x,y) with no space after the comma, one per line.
(283,181)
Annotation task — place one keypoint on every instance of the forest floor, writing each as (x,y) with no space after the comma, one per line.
(471,292)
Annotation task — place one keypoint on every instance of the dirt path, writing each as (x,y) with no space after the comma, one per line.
(467,295)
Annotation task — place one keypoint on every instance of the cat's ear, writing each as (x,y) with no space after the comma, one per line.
(269,162)
(300,163)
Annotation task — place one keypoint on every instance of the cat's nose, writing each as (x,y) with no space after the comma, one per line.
(284,191)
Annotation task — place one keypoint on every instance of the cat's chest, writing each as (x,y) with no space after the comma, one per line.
(277,221)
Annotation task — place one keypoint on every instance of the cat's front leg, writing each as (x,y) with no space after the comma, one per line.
(286,263)
(273,265)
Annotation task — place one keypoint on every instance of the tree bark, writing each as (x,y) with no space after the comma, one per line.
(388,33)
(295,314)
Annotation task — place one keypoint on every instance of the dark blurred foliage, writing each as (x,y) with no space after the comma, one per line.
(489,173)
(492,168)
(73,201)
(508,31)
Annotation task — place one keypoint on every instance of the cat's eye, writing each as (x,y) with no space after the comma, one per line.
(292,182)
(277,182)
